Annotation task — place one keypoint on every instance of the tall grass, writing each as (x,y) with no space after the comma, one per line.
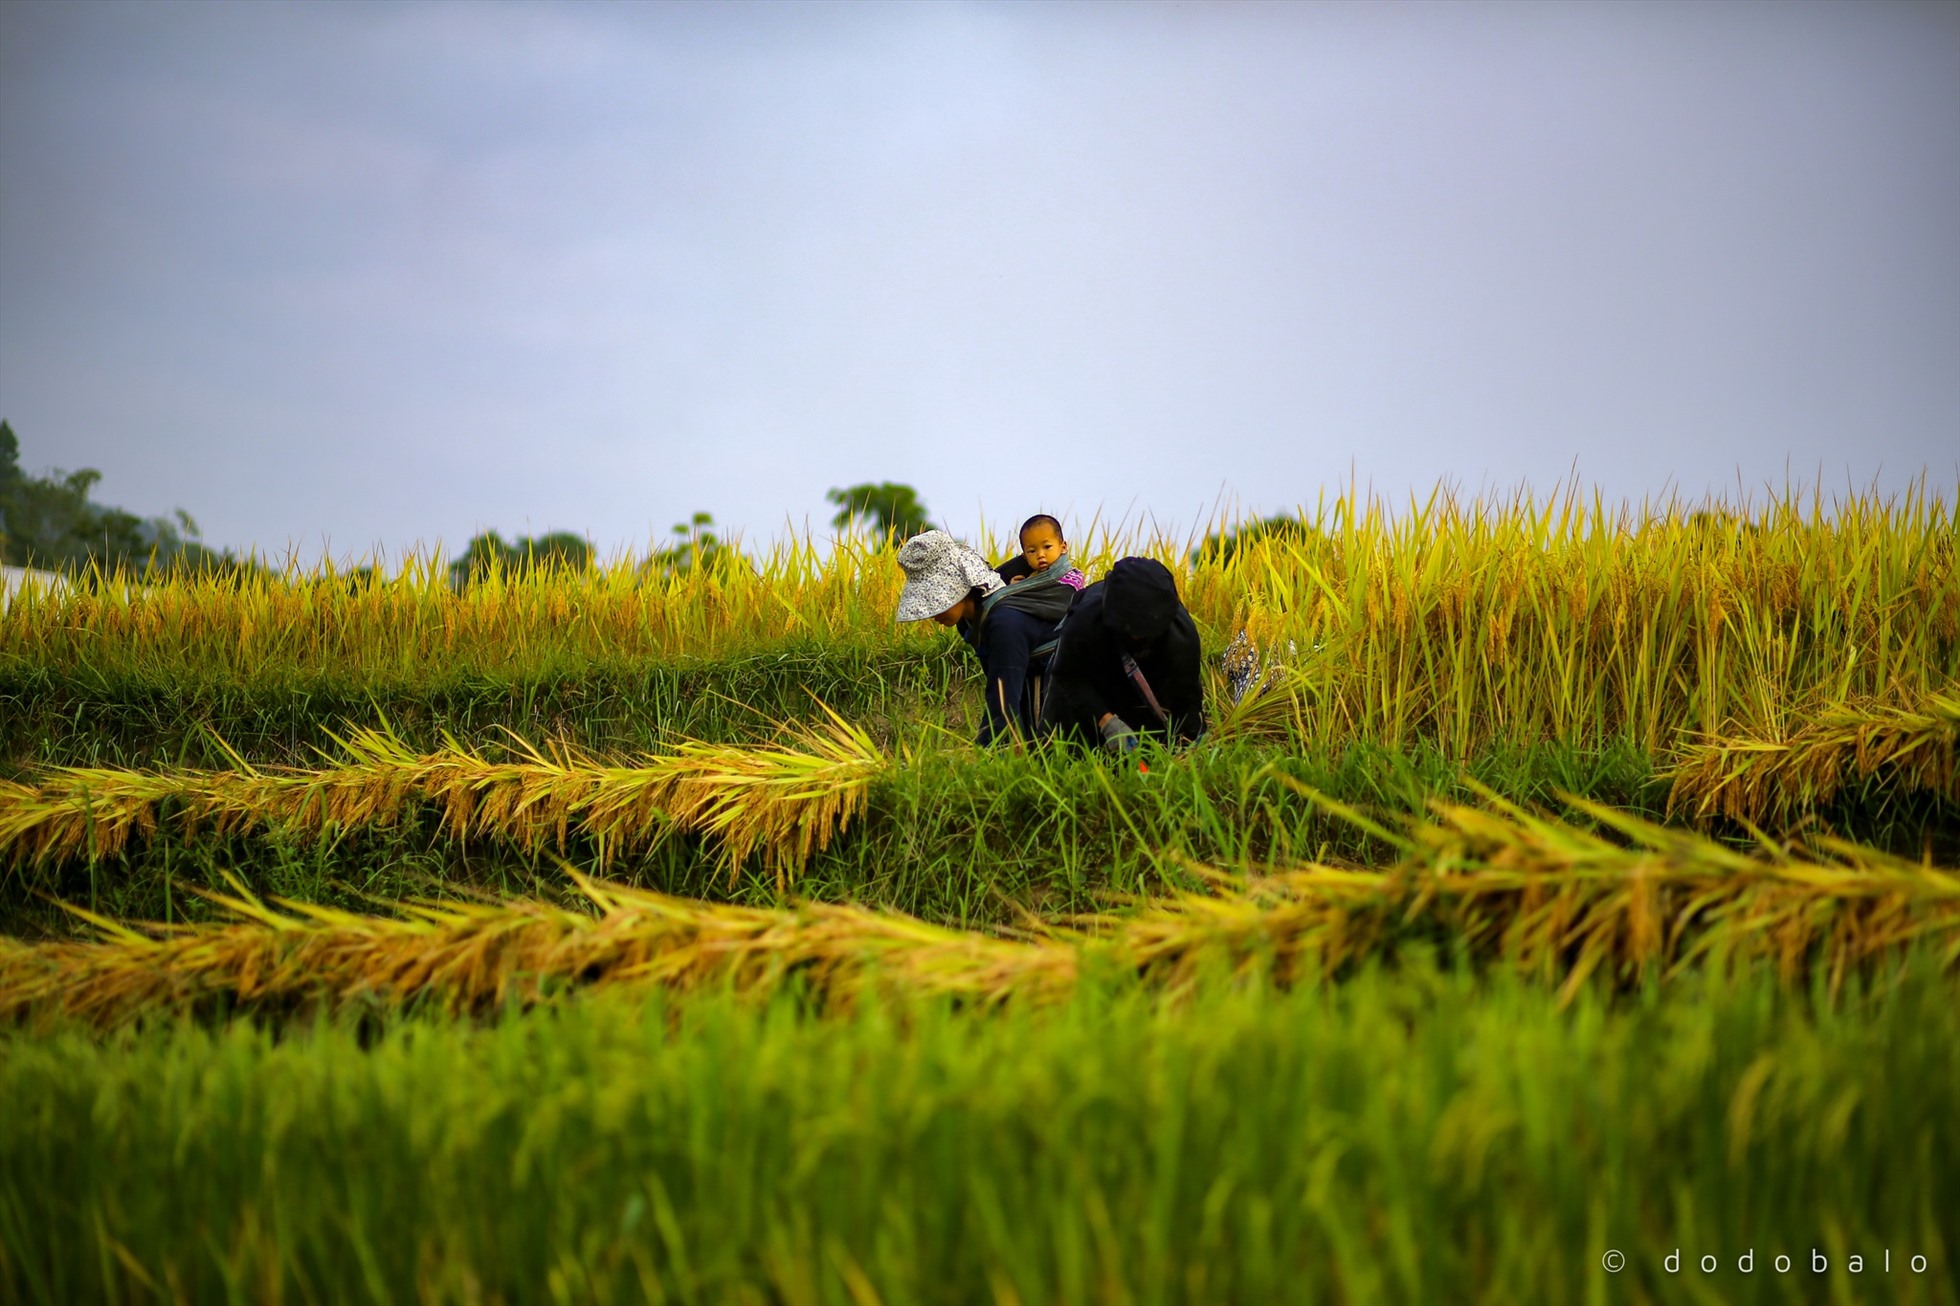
(1455,622)
(1419,1137)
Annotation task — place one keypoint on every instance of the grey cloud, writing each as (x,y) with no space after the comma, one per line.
(383,274)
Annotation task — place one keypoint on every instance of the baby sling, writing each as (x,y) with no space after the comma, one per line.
(1044,596)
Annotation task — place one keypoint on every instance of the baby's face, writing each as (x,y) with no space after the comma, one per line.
(1041,545)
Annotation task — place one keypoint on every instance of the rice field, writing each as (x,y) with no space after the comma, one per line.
(1574,880)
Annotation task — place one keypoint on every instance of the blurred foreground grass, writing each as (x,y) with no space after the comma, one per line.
(1411,1135)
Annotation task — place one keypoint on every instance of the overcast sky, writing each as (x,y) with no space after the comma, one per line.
(366,275)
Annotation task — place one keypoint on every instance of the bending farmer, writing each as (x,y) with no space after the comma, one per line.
(1128,663)
(949,583)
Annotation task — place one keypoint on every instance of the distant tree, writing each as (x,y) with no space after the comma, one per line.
(488,552)
(1222,546)
(695,545)
(10,477)
(484,553)
(892,510)
(50,522)
(1721,520)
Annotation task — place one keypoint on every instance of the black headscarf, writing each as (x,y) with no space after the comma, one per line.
(1141,599)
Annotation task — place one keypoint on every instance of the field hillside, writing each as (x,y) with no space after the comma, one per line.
(1562,894)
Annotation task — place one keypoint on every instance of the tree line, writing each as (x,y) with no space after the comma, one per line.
(51,523)
(887,510)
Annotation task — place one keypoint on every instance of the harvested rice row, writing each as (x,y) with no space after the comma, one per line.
(1775,781)
(786,802)
(1531,891)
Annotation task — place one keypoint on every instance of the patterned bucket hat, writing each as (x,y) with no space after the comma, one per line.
(939,572)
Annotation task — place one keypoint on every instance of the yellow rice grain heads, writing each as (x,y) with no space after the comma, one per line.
(1776,779)
(781,801)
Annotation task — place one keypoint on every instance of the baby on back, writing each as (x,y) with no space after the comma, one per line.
(1042,547)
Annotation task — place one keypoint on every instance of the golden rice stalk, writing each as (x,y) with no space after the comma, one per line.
(472,957)
(783,801)
(1554,898)
(1777,780)
(1526,890)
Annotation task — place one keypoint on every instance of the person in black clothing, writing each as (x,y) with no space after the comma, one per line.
(949,583)
(1127,666)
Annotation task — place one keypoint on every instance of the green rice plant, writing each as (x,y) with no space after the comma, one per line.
(1778,780)
(1541,895)
(1417,1134)
(784,801)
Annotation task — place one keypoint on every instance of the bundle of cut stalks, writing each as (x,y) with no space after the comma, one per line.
(477,957)
(786,801)
(1774,781)
(1555,898)
(1521,889)
(1255,700)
